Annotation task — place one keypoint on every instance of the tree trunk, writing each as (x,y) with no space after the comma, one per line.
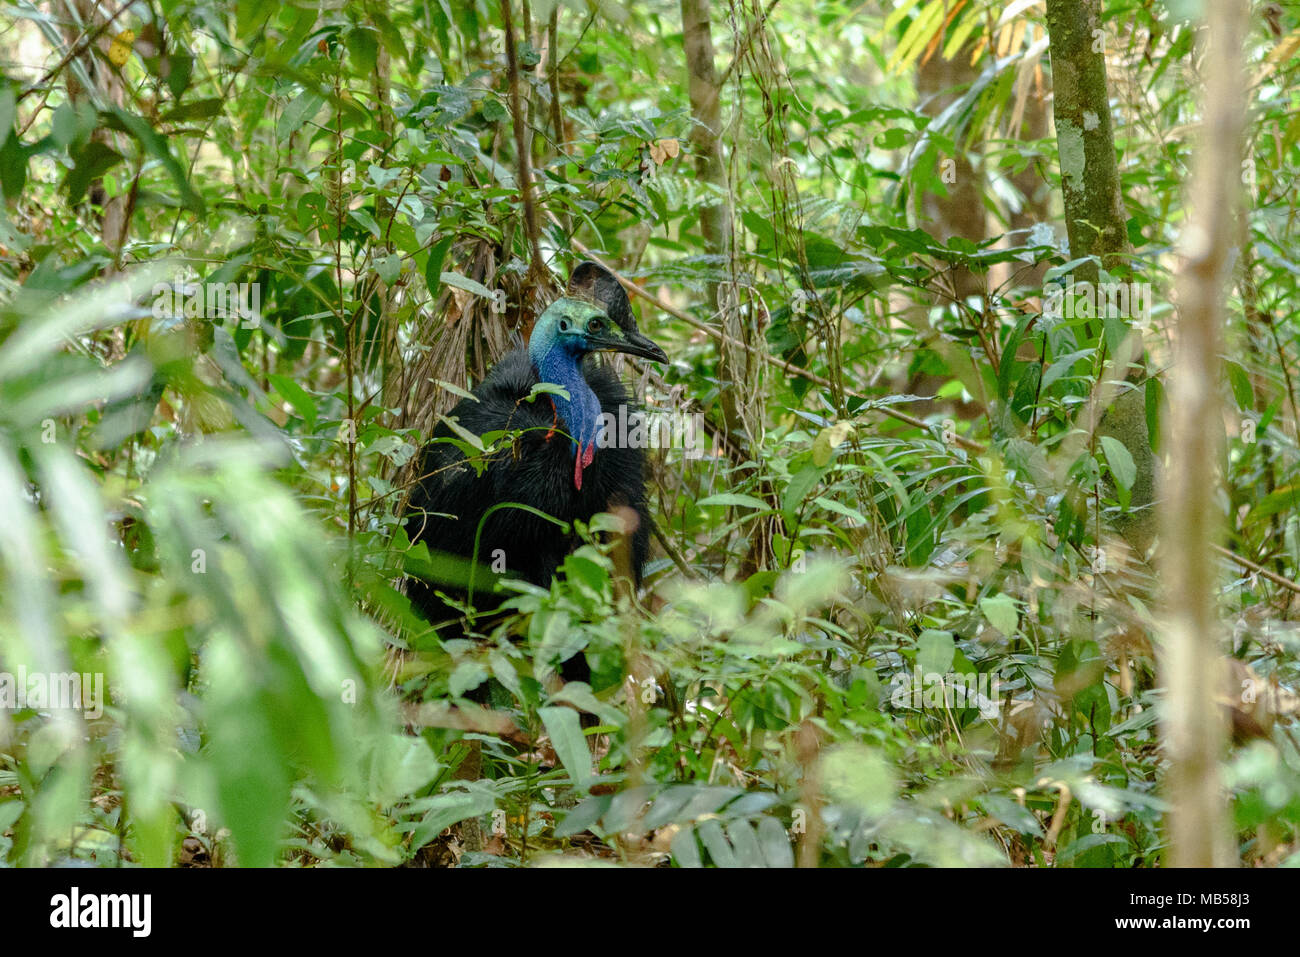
(1194,736)
(961,213)
(706,133)
(1094,210)
(1096,226)
(715,218)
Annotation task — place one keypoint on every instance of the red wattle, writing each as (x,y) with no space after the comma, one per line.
(581,460)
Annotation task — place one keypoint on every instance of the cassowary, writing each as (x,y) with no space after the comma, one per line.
(555,465)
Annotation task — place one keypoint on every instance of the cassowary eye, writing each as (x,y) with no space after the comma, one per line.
(593,325)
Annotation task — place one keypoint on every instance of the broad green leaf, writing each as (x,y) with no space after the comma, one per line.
(455,390)
(1001,612)
(1120,462)
(469,285)
(461,432)
(828,440)
(775,843)
(298,397)
(935,650)
(565,731)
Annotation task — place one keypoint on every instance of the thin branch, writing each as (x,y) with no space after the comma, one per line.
(536,267)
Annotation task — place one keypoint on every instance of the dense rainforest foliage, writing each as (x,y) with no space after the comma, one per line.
(915,265)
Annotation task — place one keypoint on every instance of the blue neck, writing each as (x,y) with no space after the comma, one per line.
(581,411)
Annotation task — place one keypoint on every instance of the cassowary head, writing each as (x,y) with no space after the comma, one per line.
(594,283)
(567,331)
(575,327)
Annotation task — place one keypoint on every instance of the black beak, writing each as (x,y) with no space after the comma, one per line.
(630,341)
(643,346)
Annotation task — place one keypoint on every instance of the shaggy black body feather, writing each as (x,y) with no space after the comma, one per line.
(538,472)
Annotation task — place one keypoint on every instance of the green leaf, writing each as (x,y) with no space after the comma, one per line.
(503,670)
(363,48)
(565,730)
(299,110)
(469,285)
(467,676)
(831,505)
(546,388)
(446,810)
(177,68)
(250,17)
(828,440)
(8,110)
(744,844)
(685,849)
(463,433)
(367,222)
(454,389)
(775,843)
(404,765)
(582,817)
(715,842)
(13,167)
(579,694)
(298,397)
(735,499)
(800,484)
(1001,612)
(433,268)
(194,110)
(892,139)
(1060,367)
(389,268)
(1120,462)
(935,651)
(1242,390)
(310,211)
(91,162)
(1089,841)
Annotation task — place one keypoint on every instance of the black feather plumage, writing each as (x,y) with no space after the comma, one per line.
(554,465)
(449,502)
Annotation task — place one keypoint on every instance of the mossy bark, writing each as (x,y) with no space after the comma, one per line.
(1094,209)
(1096,224)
